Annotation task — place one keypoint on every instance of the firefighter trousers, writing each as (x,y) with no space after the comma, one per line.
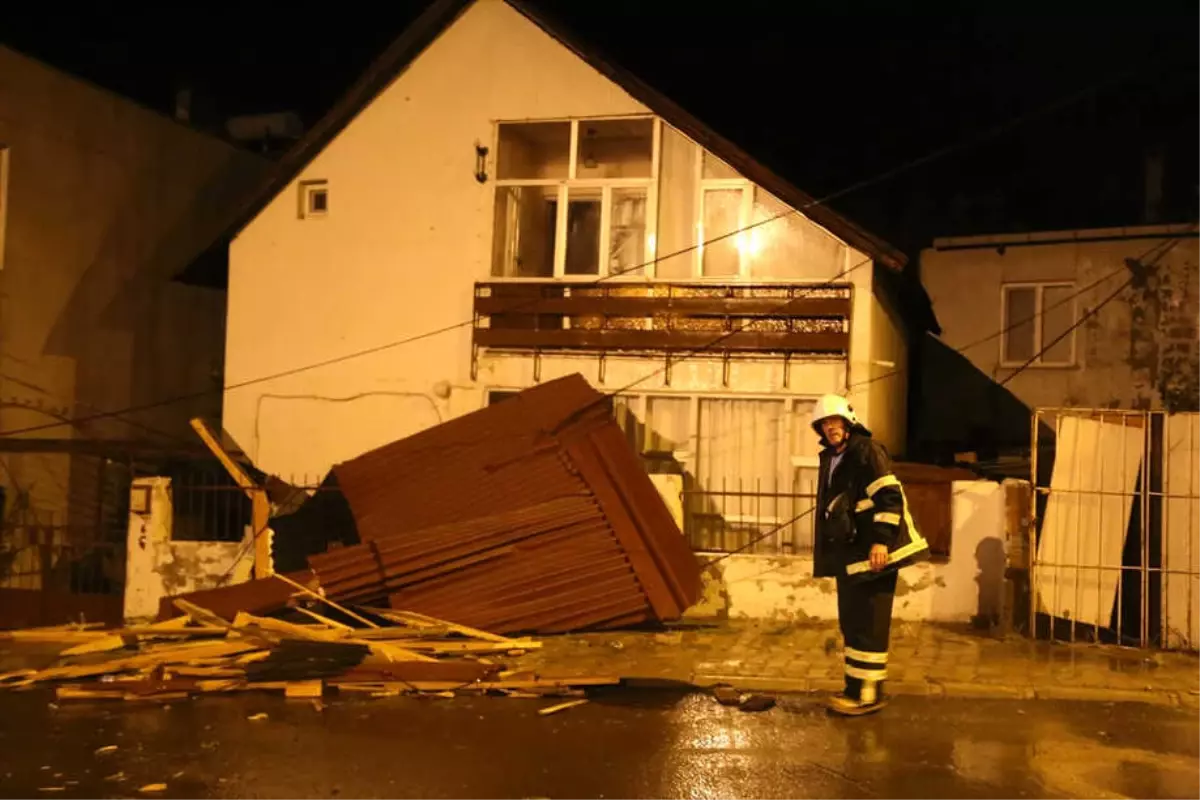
(865,617)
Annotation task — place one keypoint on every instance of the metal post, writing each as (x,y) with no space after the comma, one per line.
(1031,534)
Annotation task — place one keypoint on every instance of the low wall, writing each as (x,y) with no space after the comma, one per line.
(156,566)
(967,585)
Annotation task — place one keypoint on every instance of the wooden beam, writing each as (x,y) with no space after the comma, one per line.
(260,523)
(232,467)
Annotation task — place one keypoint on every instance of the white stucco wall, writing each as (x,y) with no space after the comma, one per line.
(156,566)
(969,583)
(408,233)
(1113,369)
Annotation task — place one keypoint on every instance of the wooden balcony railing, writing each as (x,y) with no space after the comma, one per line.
(742,318)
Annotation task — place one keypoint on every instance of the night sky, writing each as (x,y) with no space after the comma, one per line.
(827,94)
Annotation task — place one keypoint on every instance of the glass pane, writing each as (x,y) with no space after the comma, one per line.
(583,232)
(742,489)
(775,248)
(676,206)
(533,150)
(722,209)
(789,245)
(627,232)
(523,246)
(717,169)
(668,426)
(628,421)
(1058,315)
(615,148)
(1020,309)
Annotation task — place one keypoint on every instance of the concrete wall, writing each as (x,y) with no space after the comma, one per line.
(970,583)
(408,233)
(1139,351)
(157,567)
(884,390)
(105,202)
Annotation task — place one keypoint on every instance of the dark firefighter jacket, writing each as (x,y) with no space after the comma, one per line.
(862,505)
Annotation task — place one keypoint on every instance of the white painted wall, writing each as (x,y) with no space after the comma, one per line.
(408,233)
(963,277)
(157,567)
(969,583)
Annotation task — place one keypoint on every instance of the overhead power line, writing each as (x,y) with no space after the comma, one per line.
(961,145)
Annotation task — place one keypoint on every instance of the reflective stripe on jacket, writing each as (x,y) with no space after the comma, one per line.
(862,503)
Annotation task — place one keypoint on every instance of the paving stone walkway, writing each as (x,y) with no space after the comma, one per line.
(925,659)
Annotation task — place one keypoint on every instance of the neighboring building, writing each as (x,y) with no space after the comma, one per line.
(495,204)
(102,202)
(1139,351)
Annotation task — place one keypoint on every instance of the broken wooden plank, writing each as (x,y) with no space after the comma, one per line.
(473,633)
(389,652)
(227,685)
(103,644)
(324,620)
(201,616)
(52,635)
(78,693)
(162,697)
(545,712)
(186,671)
(326,601)
(402,632)
(304,689)
(244,621)
(436,646)
(184,652)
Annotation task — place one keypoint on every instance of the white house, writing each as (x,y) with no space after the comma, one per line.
(495,204)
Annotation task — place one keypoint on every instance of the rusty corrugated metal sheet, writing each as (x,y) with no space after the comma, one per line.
(532,514)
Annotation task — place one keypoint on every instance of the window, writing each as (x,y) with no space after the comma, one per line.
(314,199)
(739,460)
(745,232)
(1037,323)
(606,197)
(3,199)
(574,198)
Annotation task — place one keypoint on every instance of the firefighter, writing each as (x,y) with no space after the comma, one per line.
(864,536)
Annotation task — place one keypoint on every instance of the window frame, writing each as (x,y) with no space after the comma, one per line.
(309,188)
(1039,305)
(793,459)
(562,188)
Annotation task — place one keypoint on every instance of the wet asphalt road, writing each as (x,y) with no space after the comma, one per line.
(622,744)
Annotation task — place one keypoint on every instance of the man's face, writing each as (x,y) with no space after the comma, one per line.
(834,429)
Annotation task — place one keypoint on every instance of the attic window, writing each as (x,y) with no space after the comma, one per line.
(314,199)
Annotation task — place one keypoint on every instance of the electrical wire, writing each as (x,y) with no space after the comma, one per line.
(963,144)
(990,337)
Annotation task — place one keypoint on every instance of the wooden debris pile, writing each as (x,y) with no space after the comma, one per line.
(377,652)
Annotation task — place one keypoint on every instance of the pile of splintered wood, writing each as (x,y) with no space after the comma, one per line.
(377,652)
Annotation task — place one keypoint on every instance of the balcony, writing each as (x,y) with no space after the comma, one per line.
(661,318)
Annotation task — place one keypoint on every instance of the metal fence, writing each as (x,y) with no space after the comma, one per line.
(1115,528)
(727,517)
(65,523)
(207,505)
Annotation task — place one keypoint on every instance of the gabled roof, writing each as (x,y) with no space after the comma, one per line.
(437,18)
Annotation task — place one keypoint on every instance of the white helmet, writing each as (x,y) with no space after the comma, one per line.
(833,405)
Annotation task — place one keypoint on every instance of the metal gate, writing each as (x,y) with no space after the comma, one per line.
(1115,527)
